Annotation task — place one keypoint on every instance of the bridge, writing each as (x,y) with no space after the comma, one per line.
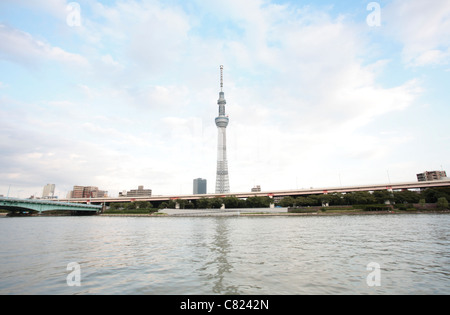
(31,206)
(279,193)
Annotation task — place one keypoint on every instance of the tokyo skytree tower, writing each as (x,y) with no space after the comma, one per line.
(222,180)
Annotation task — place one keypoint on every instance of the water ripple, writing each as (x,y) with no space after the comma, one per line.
(226,255)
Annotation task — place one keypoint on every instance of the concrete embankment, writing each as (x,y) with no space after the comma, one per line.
(223,212)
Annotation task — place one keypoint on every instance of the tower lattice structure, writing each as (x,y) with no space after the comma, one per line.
(222,179)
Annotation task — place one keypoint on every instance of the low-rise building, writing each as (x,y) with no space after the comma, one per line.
(140,192)
(431,175)
(87,192)
(256,188)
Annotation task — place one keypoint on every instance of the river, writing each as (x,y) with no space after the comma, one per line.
(276,255)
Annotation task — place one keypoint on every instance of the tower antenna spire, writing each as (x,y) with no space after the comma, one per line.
(221,78)
(222,179)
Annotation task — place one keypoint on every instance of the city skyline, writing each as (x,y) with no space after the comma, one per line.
(118,94)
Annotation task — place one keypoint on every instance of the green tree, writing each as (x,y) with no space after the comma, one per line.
(324,199)
(232,202)
(182,203)
(336,199)
(143,205)
(432,195)
(315,200)
(115,206)
(171,204)
(360,198)
(189,205)
(305,201)
(406,196)
(163,205)
(381,196)
(131,206)
(287,202)
(422,203)
(216,203)
(442,203)
(258,202)
(203,203)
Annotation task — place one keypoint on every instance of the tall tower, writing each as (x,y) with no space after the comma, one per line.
(222,179)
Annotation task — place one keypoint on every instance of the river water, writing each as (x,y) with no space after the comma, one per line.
(226,255)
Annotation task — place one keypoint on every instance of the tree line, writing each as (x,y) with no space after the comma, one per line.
(430,195)
(231,202)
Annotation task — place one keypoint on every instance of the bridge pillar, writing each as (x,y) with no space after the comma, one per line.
(272,202)
(391,196)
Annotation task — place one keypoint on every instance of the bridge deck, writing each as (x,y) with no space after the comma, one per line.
(15,204)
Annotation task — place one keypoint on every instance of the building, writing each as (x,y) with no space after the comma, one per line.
(87,192)
(48,191)
(200,185)
(77,192)
(222,179)
(90,192)
(140,192)
(256,189)
(430,176)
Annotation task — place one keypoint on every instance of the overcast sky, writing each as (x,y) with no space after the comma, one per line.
(117,94)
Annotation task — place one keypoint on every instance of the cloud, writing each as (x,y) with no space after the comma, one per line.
(423,28)
(55,8)
(153,34)
(302,98)
(21,47)
(433,57)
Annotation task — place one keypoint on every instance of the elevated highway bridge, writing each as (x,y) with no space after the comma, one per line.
(279,193)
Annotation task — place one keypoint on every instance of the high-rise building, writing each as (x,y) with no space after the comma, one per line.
(433,175)
(222,179)
(199,186)
(48,191)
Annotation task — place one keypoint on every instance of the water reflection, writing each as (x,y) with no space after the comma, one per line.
(218,266)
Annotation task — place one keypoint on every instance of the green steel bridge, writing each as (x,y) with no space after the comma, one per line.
(32,206)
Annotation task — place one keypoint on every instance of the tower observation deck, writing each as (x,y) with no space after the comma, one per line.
(222,179)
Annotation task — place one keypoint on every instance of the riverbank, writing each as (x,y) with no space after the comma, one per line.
(183,213)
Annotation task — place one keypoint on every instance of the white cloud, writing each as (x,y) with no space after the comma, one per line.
(299,93)
(109,60)
(424,29)
(55,8)
(153,34)
(21,47)
(433,57)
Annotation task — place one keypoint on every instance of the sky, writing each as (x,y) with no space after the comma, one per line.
(117,94)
